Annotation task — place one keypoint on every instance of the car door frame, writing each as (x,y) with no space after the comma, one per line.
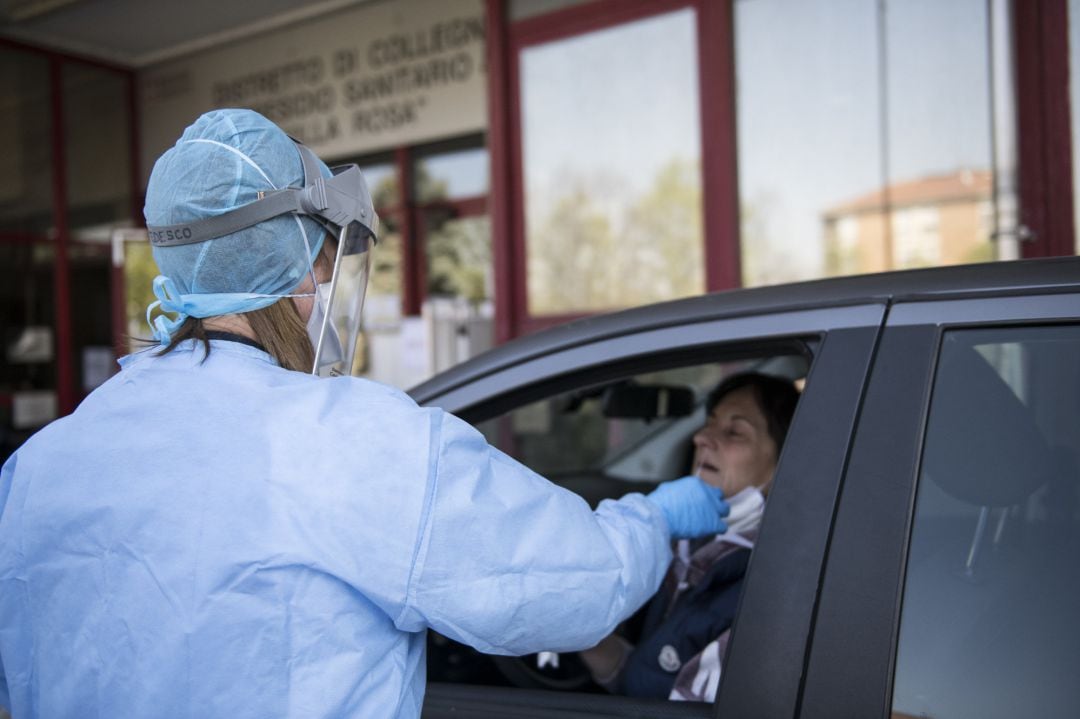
(852,651)
(767,652)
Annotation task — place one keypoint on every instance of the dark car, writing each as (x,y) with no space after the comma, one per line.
(920,550)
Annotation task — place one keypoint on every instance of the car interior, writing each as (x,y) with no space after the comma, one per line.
(987,615)
(600,440)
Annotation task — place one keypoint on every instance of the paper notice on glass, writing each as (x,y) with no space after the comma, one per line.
(33,408)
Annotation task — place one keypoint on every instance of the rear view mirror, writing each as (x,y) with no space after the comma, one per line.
(629,400)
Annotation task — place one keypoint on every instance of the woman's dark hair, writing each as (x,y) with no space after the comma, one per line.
(277,327)
(775,397)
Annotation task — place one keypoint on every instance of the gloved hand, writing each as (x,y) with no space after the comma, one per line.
(691,507)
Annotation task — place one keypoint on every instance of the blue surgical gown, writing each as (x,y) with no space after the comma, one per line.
(225,538)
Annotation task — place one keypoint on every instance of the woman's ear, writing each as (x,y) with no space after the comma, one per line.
(324,263)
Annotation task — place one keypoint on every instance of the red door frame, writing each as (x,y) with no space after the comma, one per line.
(67,389)
(65,365)
(458,208)
(412,226)
(506,40)
(1041,31)
(117,294)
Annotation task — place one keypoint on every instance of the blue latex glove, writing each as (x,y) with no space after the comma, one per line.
(691,507)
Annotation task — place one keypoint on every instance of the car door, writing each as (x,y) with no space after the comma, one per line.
(950,583)
(766,655)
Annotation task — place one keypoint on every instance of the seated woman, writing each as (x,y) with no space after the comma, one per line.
(685,631)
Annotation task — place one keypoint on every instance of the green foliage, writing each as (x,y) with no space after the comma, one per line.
(982,252)
(459,258)
(139,273)
(586,257)
(428,188)
(386,262)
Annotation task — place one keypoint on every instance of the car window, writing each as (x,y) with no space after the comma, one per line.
(603,441)
(988,624)
(571,433)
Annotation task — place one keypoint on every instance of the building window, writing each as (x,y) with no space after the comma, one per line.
(382,306)
(66,176)
(429,301)
(25,143)
(611,155)
(864,136)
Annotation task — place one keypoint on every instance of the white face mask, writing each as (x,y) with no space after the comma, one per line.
(747,507)
(332,351)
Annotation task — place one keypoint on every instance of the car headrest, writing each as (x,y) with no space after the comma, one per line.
(982,443)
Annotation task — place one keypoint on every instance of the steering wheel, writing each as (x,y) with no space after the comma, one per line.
(545,670)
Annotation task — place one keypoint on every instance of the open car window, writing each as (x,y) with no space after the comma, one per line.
(602,440)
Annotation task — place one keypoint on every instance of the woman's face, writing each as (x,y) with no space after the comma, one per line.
(734,450)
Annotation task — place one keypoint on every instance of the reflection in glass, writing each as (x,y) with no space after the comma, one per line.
(381,179)
(864,144)
(988,622)
(377,346)
(459,258)
(808,133)
(25,143)
(458,307)
(26,301)
(612,167)
(940,219)
(384,287)
(940,183)
(452,175)
(139,273)
(98,171)
(27,339)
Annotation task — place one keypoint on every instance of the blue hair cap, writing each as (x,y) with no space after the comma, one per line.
(222,162)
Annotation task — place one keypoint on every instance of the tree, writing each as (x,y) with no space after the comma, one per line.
(570,257)
(661,250)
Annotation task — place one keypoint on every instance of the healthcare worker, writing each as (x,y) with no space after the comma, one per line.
(227,529)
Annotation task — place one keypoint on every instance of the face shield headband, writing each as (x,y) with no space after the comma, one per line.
(342,204)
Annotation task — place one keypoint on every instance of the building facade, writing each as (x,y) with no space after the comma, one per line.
(539,160)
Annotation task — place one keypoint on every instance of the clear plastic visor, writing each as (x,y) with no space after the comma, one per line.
(338,351)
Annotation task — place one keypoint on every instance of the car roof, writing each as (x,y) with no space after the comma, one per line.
(987,279)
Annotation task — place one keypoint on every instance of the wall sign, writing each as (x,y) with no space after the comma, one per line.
(368,78)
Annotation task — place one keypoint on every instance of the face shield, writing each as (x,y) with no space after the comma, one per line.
(340,203)
(337,313)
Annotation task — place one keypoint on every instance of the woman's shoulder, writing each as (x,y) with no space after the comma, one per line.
(353,404)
